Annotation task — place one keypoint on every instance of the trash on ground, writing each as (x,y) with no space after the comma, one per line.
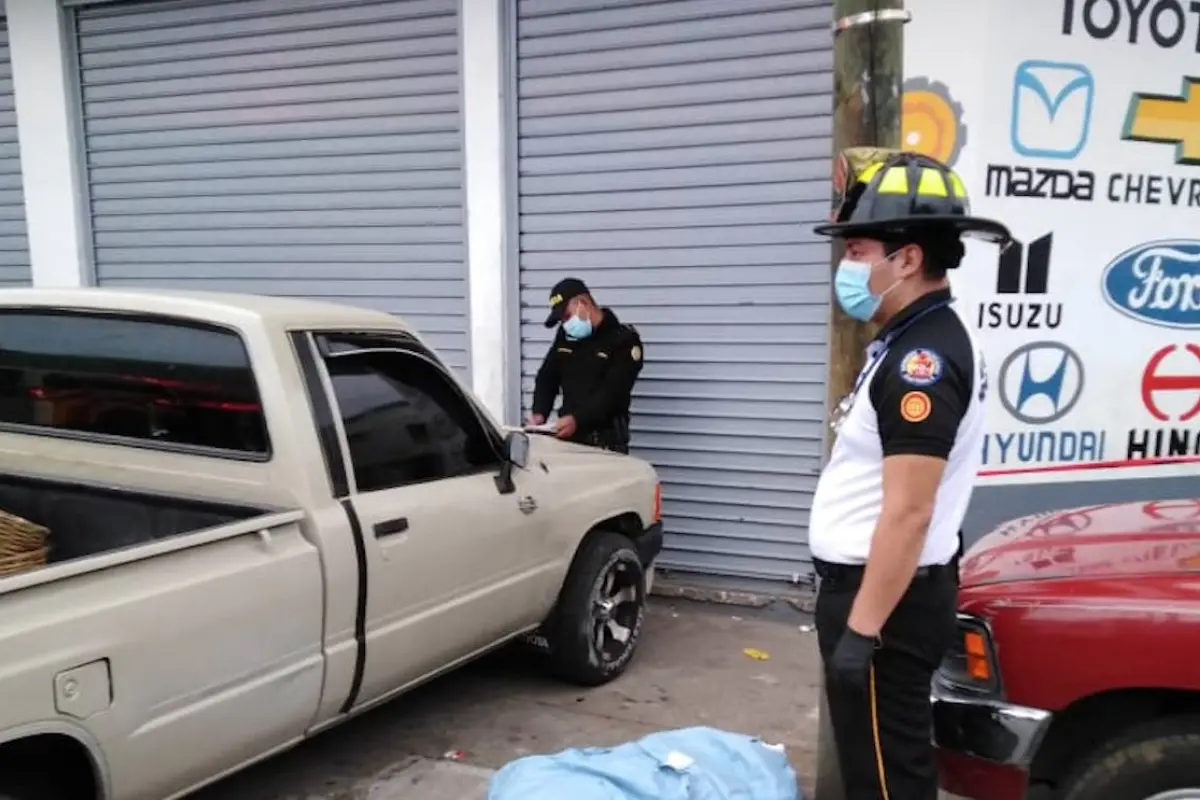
(454,755)
(690,764)
(757,655)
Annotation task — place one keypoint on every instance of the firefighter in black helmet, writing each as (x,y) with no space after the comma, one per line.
(884,530)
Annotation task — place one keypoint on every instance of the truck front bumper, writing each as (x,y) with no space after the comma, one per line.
(985,746)
(650,544)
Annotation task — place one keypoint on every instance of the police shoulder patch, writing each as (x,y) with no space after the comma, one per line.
(636,353)
(915,407)
(921,367)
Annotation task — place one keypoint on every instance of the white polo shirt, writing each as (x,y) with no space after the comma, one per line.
(921,392)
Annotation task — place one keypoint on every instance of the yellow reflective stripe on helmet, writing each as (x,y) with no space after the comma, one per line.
(895,181)
(956,184)
(932,183)
(869,172)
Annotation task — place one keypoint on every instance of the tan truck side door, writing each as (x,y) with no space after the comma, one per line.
(453,564)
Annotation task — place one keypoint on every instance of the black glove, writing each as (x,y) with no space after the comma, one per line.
(850,664)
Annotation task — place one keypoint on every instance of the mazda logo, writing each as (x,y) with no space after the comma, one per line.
(1041,382)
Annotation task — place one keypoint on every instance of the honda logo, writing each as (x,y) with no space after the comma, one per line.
(1041,382)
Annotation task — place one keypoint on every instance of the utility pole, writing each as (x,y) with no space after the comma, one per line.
(868,59)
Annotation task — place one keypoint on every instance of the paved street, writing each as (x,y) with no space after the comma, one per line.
(691,669)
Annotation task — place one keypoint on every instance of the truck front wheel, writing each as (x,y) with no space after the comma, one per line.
(1158,761)
(30,787)
(594,630)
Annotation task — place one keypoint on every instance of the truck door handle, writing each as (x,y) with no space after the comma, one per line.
(390,527)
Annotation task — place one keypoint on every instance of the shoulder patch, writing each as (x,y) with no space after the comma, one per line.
(636,353)
(915,407)
(921,367)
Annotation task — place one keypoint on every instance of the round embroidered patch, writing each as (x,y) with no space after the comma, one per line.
(636,352)
(915,406)
(921,367)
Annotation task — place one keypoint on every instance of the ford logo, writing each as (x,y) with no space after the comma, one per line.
(1157,282)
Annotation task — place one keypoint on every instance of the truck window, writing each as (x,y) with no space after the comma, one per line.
(405,421)
(146,379)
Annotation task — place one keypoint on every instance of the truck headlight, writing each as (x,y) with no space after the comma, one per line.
(970,663)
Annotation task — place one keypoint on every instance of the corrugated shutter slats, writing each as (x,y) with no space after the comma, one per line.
(14,242)
(675,155)
(294,147)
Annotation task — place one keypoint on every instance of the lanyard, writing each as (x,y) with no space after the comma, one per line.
(887,343)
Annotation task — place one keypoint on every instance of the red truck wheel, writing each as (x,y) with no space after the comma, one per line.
(1158,761)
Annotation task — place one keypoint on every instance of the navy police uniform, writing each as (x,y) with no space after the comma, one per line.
(596,374)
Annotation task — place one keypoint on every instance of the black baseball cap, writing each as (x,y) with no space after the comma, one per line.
(563,292)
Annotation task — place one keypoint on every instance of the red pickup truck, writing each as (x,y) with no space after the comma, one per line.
(1076,672)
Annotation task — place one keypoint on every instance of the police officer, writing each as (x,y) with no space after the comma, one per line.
(594,360)
(884,531)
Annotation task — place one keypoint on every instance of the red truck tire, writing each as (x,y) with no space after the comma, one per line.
(1149,761)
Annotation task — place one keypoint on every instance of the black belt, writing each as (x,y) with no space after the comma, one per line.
(853,573)
(614,433)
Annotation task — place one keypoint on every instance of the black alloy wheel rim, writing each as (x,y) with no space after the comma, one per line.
(616,607)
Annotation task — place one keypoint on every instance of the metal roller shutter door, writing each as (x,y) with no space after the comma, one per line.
(676,155)
(14,243)
(308,148)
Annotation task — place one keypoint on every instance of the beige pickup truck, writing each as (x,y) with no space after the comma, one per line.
(265,516)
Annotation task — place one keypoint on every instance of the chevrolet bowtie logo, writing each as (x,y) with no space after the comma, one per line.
(1169,120)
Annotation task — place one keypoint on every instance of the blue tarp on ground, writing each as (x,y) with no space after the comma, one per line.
(687,764)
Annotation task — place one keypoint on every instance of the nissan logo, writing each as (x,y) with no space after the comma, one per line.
(1041,382)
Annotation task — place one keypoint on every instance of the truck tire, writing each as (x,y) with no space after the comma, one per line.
(1160,760)
(29,787)
(594,630)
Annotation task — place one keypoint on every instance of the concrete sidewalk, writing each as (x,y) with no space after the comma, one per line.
(692,669)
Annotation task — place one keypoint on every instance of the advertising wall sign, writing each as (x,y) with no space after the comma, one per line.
(1084,122)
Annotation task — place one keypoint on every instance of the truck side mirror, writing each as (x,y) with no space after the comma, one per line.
(516,454)
(516,448)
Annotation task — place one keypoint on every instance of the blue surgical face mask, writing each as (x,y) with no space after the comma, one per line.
(852,285)
(577,328)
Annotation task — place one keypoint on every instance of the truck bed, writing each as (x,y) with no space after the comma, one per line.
(89,520)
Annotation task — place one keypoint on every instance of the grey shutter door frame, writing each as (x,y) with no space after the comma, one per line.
(676,155)
(308,148)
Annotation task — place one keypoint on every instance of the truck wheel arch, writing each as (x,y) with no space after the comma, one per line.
(67,751)
(1090,722)
(626,523)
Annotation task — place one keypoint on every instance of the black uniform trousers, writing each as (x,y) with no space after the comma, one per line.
(884,731)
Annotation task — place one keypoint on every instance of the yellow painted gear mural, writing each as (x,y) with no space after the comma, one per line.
(931,122)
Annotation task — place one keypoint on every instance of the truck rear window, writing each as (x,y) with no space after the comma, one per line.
(153,379)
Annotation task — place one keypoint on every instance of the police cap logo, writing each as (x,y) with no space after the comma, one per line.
(921,367)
